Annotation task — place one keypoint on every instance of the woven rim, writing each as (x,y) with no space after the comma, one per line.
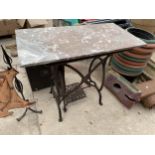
(142,34)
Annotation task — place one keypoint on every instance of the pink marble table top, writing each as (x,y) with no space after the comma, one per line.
(56,44)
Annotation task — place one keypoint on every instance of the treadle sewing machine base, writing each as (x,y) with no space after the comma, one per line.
(66,94)
(58,46)
(74,96)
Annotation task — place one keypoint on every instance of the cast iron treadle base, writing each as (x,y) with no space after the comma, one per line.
(75,95)
(61,88)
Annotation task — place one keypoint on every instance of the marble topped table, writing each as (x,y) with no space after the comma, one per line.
(55,44)
(60,45)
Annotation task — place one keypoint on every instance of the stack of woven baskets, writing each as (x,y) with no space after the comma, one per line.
(131,63)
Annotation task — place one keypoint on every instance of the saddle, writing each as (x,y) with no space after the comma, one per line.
(9,98)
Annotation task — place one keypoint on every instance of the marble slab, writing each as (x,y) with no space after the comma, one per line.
(56,44)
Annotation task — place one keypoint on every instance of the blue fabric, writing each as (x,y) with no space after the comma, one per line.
(72,21)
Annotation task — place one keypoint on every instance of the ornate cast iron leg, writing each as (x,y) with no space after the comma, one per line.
(55,89)
(87,79)
(26,110)
(59,84)
(63,84)
(19,87)
(93,83)
(18,84)
(60,87)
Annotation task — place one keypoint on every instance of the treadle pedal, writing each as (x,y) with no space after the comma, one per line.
(76,95)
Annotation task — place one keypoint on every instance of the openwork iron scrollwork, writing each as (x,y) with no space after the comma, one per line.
(87,79)
(18,84)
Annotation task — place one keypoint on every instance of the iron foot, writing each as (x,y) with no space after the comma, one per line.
(24,114)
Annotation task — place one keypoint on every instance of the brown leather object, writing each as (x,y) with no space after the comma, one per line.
(147,88)
(4,93)
(9,99)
